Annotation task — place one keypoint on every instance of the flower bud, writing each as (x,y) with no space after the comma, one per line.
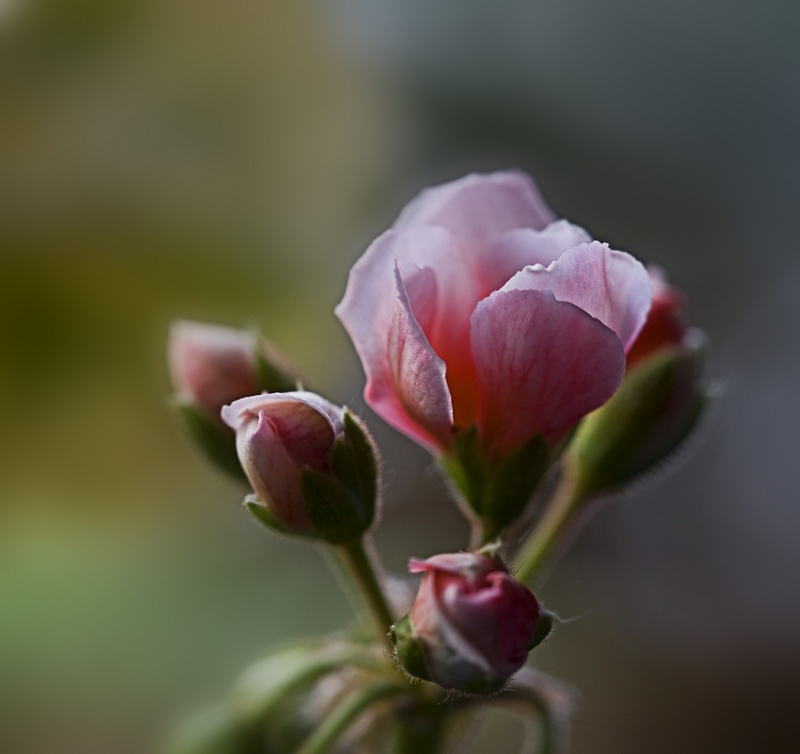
(655,409)
(471,625)
(311,464)
(211,366)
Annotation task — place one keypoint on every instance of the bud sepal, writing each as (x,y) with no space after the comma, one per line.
(497,490)
(655,410)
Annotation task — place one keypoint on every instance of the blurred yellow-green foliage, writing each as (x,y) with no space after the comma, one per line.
(228,161)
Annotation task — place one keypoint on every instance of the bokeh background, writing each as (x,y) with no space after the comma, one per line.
(228,160)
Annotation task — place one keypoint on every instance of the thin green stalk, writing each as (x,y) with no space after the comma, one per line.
(548,726)
(557,518)
(420,729)
(329,732)
(359,570)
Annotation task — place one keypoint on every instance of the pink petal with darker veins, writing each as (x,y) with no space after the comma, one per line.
(610,285)
(381,314)
(521,247)
(275,477)
(417,401)
(479,208)
(542,364)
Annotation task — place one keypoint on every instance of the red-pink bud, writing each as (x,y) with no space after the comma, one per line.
(665,325)
(212,365)
(473,622)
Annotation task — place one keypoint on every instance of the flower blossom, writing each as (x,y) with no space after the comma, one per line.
(479,308)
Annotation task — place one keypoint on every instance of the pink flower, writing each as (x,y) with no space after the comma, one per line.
(278,436)
(211,365)
(478,308)
(472,619)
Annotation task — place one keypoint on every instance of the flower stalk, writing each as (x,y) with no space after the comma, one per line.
(361,574)
(559,515)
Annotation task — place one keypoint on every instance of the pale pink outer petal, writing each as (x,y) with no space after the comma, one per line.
(377,313)
(274,476)
(479,208)
(418,400)
(522,247)
(542,365)
(469,564)
(306,424)
(610,285)
(211,365)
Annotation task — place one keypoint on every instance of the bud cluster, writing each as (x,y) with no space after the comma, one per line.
(527,357)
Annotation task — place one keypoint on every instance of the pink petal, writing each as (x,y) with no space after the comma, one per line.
(497,620)
(275,477)
(413,395)
(473,565)
(522,247)
(306,424)
(542,364)
(369,313)
(610,285)
(479,208)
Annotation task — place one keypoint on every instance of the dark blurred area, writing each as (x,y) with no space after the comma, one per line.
(229,161)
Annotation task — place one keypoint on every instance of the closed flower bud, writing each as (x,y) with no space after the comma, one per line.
(211,366)
(311,464)
(656,407)
(471,625)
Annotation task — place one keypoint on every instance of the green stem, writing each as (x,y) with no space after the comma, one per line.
(420,730)
(490,530)
(360,571)
(548,727)
(556,520)
(328,733)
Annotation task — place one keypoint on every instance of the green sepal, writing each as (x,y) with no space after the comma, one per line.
(498,491)
(219,730)
(355,465)
(408,649)
(265,516)
(646,421)
(484,686)
(275,373)
(341,504)
(333,511)
(545,624)
(217,441)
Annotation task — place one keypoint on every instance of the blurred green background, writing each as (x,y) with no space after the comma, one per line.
(228,161)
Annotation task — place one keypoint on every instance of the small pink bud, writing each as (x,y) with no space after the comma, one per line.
(310,463)
(471,622)
(212,365)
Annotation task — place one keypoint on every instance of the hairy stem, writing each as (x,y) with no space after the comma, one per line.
(329,732)
(360,571)
(557,518)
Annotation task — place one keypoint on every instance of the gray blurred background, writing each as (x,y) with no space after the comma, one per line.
(228,161)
